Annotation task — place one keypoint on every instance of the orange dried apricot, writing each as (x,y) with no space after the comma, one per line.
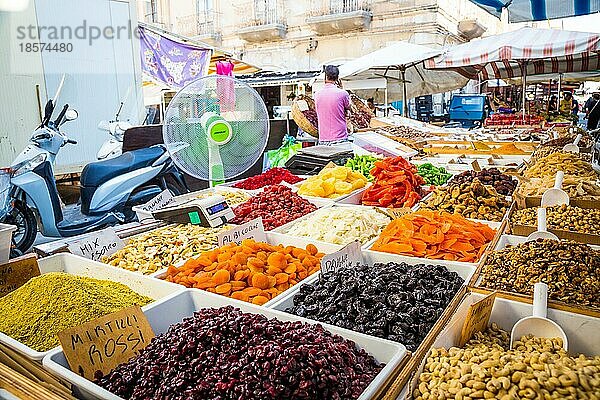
(260,280)
(224,288)
(259,300)
(221,276)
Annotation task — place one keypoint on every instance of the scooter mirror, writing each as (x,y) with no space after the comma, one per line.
(71,114)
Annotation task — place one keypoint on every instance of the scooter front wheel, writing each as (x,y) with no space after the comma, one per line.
(24,219)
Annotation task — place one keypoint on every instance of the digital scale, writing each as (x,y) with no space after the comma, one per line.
(210,212)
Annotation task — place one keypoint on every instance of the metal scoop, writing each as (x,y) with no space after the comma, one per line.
(538,325)
(573,147)
(542,232)
(556,196)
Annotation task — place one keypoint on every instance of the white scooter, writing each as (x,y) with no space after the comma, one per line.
(109,189)
(113,147)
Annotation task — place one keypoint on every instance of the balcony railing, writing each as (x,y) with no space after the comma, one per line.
(331,7)
(335,16)
(203,25)
(263,21)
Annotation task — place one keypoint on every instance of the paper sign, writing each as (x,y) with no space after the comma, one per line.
(347,256)
(159,201)
(17,272)
(303,105)
(477,318)
(396,213)
(250,230)
(475,165)
(97,245)
(104,343)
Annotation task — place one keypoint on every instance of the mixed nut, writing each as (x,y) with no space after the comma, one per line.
(471,200)
(486,368)
(571,270)
(403,132)
(563,217)
(157,249)
(504,184)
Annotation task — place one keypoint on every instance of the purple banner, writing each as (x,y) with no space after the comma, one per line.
(173,63)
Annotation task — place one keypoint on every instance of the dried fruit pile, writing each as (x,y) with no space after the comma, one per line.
(252,271)
(332,183)
(341,225)
(471,200)
(433,175)
(435,235)
(403,132)
(233,197)
(392,301)
(276,204)
(504,184)
(563,217)
(486,368)
(362,164)
(157,249)
(397,184)
(273,176)
(224,353)
(576,188)
(571,164)
(571,270)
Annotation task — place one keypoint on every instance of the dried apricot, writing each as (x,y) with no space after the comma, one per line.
(312,249)
(240,296)
(281,278)
(221,276)
(260,300)
(260,280)
(224,288)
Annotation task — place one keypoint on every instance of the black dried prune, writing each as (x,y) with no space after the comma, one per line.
(393,301)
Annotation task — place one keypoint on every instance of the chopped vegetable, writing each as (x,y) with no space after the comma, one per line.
(397,184)
(435,235)
(363,164)
(341,225)
(433,175)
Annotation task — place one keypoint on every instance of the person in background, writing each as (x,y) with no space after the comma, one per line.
(371,104)
(568,105)
(332,103)
(592,111)
(553,104)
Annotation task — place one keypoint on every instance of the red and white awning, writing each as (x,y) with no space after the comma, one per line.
(539,51)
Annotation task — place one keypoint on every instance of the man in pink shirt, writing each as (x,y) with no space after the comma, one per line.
(331,103)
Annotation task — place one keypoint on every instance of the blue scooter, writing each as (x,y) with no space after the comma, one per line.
(109,189)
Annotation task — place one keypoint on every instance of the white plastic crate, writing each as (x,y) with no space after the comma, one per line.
(163,314)
(76,265)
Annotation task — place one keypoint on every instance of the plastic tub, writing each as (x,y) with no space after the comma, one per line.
(278,238)
(579,328)
(165,313)
(6,232)
(76,265)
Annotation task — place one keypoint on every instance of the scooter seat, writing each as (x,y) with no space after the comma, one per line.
(96,173)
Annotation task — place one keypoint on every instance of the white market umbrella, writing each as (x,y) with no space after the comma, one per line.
(401,64)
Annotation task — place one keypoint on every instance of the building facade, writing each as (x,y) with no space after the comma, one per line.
(305,34)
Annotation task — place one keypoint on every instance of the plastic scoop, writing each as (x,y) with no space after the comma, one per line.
(556,196)
(542,232)
(538,325)
(573,147)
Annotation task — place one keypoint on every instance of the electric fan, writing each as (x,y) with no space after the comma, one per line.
(224,123)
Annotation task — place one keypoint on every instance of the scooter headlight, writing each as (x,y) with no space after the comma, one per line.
(27,166)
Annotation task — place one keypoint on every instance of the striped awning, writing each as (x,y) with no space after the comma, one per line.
(534,51)
(539,10)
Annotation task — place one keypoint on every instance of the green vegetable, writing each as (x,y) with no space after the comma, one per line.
(433,175)
(363,164)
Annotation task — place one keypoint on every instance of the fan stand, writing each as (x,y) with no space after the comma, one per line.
(218,133)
